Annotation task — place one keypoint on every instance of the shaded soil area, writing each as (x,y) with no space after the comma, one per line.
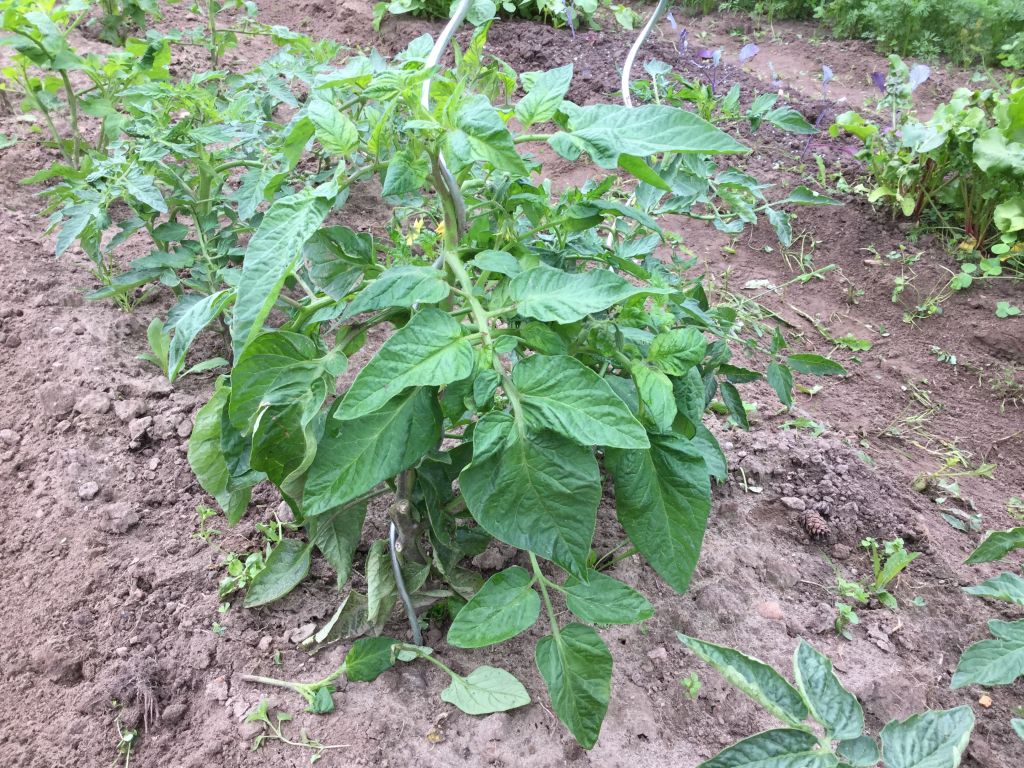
(110,595)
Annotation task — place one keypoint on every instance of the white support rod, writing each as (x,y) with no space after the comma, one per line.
(627,67)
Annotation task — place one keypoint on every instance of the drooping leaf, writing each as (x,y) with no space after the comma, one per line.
(534,491)
(780,748)
(369,657)
(831,704)
(198,316)
(356,455)
(815,365)
(506,605)
(559,393)
(486,690)
(933,739)
(206,458)
(755,678)
(285,569)
(577,670)
(429,350)
(336,534)
(604,600)
(663,497)
(381,592)
(780,378)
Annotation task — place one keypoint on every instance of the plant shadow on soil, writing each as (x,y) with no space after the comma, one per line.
(109,594)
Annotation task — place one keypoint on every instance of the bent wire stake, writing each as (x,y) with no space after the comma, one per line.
(403,593)
(454,194)
(627,66)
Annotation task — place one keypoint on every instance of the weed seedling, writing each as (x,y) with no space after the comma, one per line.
(274,731)
(691,686)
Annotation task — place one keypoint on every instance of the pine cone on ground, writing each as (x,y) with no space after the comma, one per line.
(814,524)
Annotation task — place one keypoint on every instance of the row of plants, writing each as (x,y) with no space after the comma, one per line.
(525,346)
(960,173)
(987,32)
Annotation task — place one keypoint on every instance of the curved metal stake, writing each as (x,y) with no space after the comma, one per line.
(627,65)
(403,593)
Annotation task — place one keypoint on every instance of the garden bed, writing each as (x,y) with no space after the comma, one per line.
(110,595)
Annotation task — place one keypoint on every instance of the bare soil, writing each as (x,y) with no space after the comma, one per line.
(109,595)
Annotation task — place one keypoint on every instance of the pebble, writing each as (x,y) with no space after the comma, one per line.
(138,429)
(217,689)
(302,633)
(658,654)
(118,517)
(93,404)
(184,428)
(55,400)
(87,491)
(127,410)
(9,436)
(771,610)
(12,341)
(265,642)
(794,503)
(173,713)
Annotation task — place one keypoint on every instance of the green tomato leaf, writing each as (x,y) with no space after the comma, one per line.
(604,600)
(335,132)
(561,394)
(815,365)
(480,134)
(273,253)
(993,662)
(534,491)
(789,120)
(733,401)
(780,748)
(486,690)
(195,319)
(272,360)
(933,739)
(336,534)
(996,545)
(577,670)
(429,350)
(502,262)
(755,678)
(663,497)
(555,296)
(506,605)
(401,286)
(605,131)
(1008,587)
(781,380)
(675,352)
(406,173)
(206,457)
(831,704)
(656,394)
(381,592)
(285,569)
(544,94)
(861,752)
(356,455)
(369,657)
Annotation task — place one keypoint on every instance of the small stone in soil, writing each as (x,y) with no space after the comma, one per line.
(87,491)
(93,404)
(9,436)
(792,502)
(771,610)
(127,410)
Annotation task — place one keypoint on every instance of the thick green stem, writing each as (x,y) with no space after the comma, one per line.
(73,112)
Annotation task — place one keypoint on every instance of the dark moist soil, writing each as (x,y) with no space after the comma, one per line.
(109,595)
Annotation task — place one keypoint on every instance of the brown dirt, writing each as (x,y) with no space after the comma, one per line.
(109,594)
